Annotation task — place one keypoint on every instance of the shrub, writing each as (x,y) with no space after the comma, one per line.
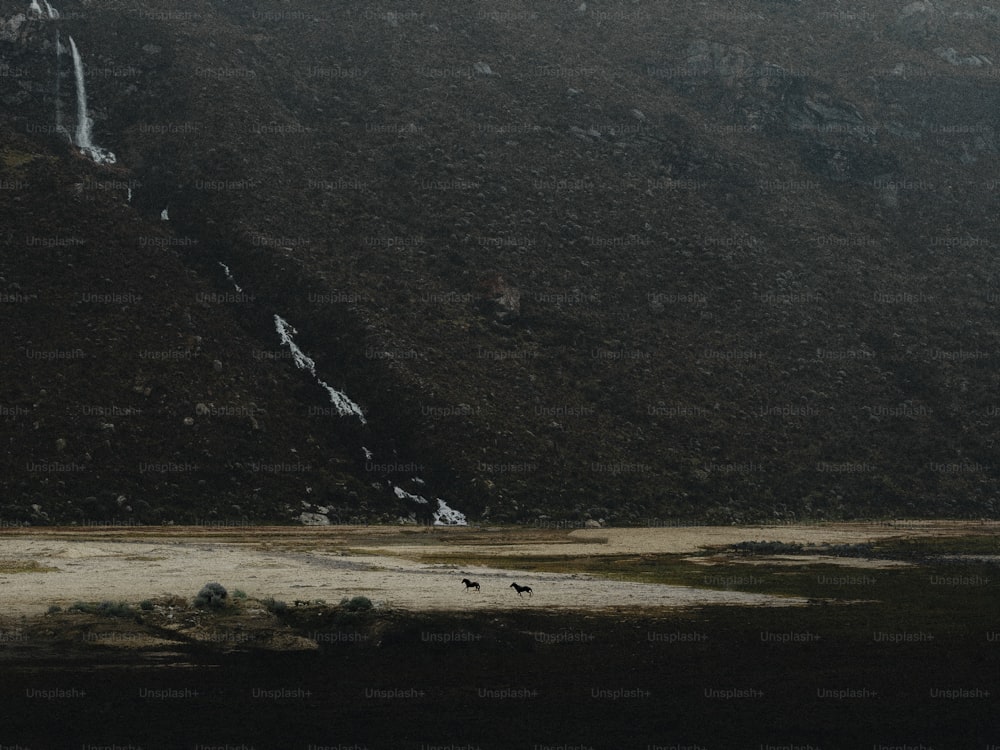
(115,609)
(239,594)
(146,605)
(54,608)
(357,604)
(275,606)
(211,595)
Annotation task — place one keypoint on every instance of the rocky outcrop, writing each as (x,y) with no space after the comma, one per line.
(951,55)
(916,22)
(499,300)
(10,28)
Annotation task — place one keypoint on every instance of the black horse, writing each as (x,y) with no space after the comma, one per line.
(470,584)
(519,589)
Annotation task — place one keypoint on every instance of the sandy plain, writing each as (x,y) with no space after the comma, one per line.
(407,568)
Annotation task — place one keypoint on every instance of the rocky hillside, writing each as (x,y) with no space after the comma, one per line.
(624,262)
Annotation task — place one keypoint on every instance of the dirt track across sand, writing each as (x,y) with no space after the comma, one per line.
(382,563)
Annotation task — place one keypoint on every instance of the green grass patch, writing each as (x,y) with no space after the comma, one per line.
(13,160)
(763,548)
(916,548)
(939,596)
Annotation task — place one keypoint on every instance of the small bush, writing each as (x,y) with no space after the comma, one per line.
(239,594)
(357,604)
(212,595)
(54,608)
(116,609)
(146,605)
(275,606)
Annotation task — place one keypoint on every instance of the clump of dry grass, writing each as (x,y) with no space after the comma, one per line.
(24,566)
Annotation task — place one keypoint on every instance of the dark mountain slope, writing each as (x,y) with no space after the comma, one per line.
(628,262)
(134,392)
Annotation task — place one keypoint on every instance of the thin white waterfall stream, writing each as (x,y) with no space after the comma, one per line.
(82,138)
(345,407)
(341,402)
(59,120)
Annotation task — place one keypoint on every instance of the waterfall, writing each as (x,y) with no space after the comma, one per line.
(341,402)
(83,138)
(59,122)
(36,10)
(229,275)
(345,407)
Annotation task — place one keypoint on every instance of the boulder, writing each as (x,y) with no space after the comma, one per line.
(11,28)
(499,300)
(916,22)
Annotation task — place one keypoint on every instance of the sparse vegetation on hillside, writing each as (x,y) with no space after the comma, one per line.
(655,266)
